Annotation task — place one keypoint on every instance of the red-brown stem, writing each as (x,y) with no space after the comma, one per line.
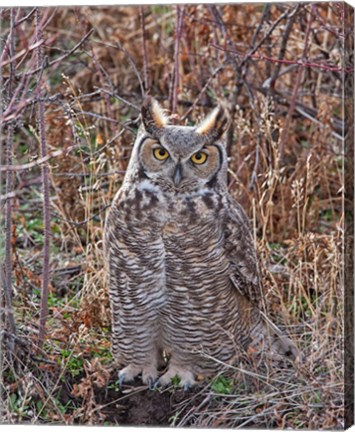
(250,54)
(40,161)
(46,203)
(6,49)
(282,52)
(300,63)
(62,57)
(100,70)
(291,110)
(7,279)
(145,54)
(179,25)
(208,82)
(23,85)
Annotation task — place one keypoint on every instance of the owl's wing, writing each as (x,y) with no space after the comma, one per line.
(246,276)
(239,245)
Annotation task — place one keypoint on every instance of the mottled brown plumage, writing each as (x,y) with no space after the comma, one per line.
(182,270)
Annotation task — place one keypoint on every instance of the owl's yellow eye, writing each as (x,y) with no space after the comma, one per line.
(199,158)
(160,154)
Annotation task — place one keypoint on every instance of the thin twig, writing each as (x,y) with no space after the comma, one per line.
(30,45)
(62,57)
(6,47)
(282,51)
(25,103)
(2,276)
(217,15)
(155,23)
(121,99)
(7,280)
(38,162)
(21,87)
(307,112)
(9,311)
(263,19)
(8,221)
(79,223)
(46,198)
(144,48)
(21,53)
(102,73)
(300,71)
(24,84)
(286,14)
(205,87)
(25,18)
(132,63)
(299,62)
(176,80)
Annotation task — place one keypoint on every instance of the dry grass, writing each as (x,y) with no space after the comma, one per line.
(286,169)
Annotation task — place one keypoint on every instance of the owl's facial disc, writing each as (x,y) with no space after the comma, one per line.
(165,163)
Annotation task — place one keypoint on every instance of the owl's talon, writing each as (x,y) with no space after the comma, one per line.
(151,383)
(128,374)
(187,386)
(149,376)
(186,378)
(161,385)
(121,379)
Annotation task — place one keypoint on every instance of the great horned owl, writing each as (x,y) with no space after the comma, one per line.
(182,270)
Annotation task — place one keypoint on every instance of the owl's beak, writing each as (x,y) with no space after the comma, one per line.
(177,175)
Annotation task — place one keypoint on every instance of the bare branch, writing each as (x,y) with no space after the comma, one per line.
(25,18)
(62,57)
(132,63)
(38,162)
(205,87)
(46,199)
(178,33)
(285,129)
(7,46)
(299,62)
(7,279)
(121,99)
(21,53)
(282,52)
(9,310)
(286,14)
(306,112)
(144,48)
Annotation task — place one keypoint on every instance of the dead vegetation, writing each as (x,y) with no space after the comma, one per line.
(72,81)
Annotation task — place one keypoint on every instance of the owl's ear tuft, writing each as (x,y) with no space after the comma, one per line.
(153,115)
(215,124)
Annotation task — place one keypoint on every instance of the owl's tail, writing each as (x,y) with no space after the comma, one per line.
(280,344)
(267,339)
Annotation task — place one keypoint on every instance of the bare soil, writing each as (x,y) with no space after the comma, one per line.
(134,405)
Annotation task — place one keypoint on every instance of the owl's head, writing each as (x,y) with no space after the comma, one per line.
(181,158)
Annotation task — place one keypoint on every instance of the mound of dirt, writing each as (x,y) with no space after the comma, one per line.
(133,405)
(137,408)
